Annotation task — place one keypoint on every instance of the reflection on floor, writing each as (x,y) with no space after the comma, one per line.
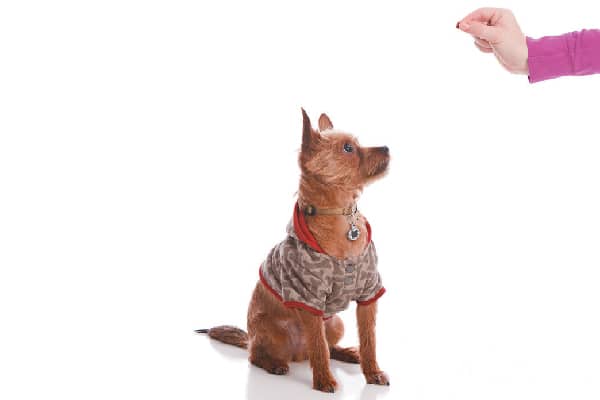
(298,383)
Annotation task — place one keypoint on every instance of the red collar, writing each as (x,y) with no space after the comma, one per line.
(304,234)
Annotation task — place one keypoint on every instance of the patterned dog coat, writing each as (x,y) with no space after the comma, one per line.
(301,275)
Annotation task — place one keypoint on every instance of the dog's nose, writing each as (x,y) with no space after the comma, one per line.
(384,149)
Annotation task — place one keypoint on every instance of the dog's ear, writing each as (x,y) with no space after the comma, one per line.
(310,137)
(324,123)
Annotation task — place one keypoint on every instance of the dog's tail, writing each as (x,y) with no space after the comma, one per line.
(227,334)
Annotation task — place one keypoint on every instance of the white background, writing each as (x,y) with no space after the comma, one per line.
(148,163)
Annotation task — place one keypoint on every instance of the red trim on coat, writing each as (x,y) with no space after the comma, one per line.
(372,299)
(304,234)
(265,284)
(302,231)
(295,304)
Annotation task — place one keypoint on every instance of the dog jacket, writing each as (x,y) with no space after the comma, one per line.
(299,273)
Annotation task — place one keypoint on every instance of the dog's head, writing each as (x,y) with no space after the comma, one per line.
(336,158)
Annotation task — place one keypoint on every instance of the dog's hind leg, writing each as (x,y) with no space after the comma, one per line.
(269,348)
(334,331)
(269,341)
(261,357)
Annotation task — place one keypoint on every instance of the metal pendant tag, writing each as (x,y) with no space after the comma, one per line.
(353,233)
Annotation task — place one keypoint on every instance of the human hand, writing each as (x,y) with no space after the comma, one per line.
(496,31)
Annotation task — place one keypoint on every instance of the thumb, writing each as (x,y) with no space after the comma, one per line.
(482,31)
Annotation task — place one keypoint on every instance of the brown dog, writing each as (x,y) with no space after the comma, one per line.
(326,261)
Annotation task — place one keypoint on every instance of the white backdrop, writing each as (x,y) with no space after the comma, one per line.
(148,163)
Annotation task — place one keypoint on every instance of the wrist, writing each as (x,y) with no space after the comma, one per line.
(523,67)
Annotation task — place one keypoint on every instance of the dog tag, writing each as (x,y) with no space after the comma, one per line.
(353,233)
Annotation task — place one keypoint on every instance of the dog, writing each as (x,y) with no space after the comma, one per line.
(326,261)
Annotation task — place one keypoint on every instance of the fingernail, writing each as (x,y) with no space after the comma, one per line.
(457,24)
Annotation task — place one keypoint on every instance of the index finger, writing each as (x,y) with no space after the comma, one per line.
(485,14)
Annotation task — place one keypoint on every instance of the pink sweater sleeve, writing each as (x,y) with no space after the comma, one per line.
(575,53)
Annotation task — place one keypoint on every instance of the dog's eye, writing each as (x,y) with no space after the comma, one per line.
(348,148)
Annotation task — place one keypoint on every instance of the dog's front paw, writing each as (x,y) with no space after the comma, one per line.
(378,378)
(325,384)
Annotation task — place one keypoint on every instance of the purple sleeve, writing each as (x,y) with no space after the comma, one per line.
(575,53)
